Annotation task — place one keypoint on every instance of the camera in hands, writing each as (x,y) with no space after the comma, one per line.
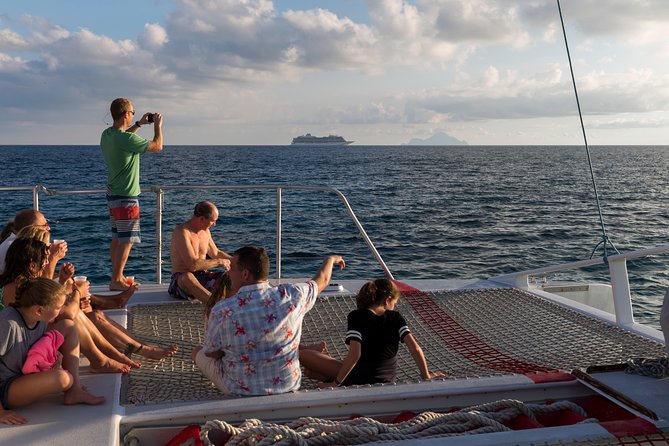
(150,117)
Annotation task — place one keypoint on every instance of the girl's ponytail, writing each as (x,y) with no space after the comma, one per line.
(375,292)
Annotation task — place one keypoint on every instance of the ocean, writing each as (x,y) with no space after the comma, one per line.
(437,211)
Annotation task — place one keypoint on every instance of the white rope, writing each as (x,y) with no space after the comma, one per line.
(310,431)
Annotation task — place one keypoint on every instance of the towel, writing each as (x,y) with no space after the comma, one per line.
(43,355)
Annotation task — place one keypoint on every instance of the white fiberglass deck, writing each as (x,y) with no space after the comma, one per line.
(484,338)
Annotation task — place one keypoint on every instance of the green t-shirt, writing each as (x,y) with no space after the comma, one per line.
(121,152)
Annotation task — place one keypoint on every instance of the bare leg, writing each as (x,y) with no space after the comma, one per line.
(100,363)
(29,388)
(103,344)
(113,302)
(192,287)
(70,349)
(121,339)
(119,257)
(318,365)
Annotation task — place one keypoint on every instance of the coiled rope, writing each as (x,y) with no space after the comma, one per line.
(484,418)
(655,367)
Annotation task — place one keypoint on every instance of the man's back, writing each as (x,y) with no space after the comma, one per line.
(121,151)
(259,330)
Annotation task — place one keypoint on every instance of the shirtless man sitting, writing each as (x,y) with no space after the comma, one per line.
(193,253)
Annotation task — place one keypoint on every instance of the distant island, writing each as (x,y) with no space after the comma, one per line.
(438,139)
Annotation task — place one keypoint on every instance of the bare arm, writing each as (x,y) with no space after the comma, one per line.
(324,274)
(419,358)
(156,145)
(56,253)
(214,253)
(182,247)
(354,350)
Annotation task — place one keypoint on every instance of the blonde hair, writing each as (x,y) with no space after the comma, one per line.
(36,232)
(40,291)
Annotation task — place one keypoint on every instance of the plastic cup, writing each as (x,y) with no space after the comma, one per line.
(79,280)
(57,241)
(129,280)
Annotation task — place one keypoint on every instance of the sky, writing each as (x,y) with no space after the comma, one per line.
(250,72)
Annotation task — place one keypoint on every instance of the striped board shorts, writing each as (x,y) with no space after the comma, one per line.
(124,218)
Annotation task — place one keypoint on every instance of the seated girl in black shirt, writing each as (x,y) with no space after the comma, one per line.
(374,333)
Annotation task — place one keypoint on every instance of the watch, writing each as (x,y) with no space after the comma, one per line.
(138,124)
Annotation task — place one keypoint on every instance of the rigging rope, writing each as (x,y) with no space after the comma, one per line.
(605,241)
(484,418)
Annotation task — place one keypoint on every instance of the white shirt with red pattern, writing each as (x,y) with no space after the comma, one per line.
(258,330)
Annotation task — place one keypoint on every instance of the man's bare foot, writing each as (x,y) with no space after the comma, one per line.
(113,302)
(109,366)
(319,346)
(155,352)
(118,286)
(77,395)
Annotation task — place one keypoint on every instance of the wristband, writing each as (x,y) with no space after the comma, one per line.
(138,124)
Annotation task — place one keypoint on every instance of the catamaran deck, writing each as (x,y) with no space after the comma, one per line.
(489,340)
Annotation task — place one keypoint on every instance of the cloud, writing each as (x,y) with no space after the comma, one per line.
(443,60)
(11,41)
(153,37)
(546,94)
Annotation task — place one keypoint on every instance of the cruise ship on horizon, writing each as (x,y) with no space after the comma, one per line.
(310,140)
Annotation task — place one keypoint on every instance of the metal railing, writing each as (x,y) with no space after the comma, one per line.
(159,191)
(617,265)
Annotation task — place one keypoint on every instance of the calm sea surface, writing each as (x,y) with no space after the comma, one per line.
(448,212)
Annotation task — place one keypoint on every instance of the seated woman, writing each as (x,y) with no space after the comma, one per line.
(113,332)
(375,330)
(26,259)
(38,302)
(57,251)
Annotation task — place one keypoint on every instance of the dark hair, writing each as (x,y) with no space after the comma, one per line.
(20,254)
(25,217)
(118,107)
(204,209)
(6,231)
(39,291)
(255,260)
(375,292)
(220,292)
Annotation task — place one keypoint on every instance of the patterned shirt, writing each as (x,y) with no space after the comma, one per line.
(258,330)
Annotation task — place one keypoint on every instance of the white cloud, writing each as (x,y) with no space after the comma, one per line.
(415,62)
(11,41)
(153,37)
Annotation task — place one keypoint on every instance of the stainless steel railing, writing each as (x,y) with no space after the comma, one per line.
(159,191)
(617,265)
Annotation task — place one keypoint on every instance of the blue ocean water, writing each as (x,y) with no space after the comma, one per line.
(451,212)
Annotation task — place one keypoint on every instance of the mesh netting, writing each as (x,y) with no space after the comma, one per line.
(468,333)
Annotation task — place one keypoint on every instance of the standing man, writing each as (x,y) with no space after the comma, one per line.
(252,340)
(121,149)
(193,252)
